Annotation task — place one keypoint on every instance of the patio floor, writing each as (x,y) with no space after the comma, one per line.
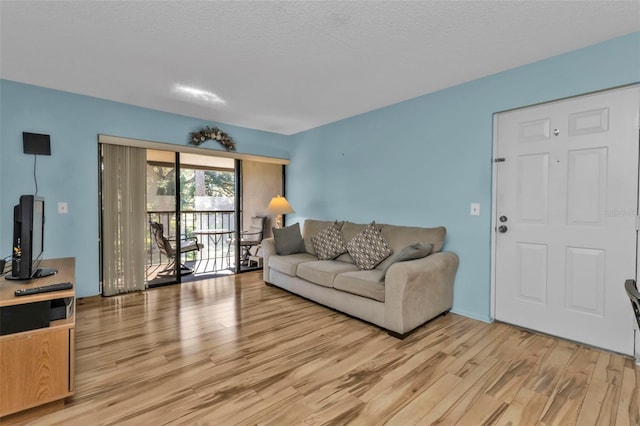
(202,269)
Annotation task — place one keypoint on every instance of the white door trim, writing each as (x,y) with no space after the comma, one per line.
(494,223)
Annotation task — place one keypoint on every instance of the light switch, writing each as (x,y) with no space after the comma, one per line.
(475,209)
(63,208)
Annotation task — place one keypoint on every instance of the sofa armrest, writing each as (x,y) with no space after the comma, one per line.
(419,290)
(268,249)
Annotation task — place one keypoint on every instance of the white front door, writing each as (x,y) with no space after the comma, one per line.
(567,202)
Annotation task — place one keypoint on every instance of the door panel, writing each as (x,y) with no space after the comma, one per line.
(533,272)
(533,188)
(585,122)
(585,280)
(534,131)
(261,181)
(568,189)
(586,191)
(162,171)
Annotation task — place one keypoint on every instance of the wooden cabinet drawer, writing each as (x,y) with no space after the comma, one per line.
(34,368)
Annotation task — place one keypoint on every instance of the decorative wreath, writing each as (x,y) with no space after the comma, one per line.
(212,133)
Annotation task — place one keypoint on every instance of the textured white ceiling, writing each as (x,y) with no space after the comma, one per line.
(288,66)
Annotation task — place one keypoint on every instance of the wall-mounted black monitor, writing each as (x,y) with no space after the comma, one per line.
(28,239)
(36,143)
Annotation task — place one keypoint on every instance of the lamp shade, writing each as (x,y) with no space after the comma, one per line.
(279,205)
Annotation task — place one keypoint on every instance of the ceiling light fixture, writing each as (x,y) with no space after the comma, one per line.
(199,94)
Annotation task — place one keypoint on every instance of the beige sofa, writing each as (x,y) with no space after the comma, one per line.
(410,294)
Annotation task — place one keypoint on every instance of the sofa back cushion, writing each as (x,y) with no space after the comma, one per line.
(398,237)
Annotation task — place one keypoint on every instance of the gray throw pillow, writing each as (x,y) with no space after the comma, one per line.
(288,240)
(368,248)
(328,243)
(410,252)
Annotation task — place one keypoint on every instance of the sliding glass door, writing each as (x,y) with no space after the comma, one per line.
(260,181)
(164,264)
(193,197)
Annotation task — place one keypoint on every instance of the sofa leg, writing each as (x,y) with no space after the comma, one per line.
(268,284)
(398,335)
(401,336)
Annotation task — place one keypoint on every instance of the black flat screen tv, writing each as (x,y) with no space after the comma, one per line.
(28,240)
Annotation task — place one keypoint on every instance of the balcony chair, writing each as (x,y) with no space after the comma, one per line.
(634,296)
(167,247)
(249,239)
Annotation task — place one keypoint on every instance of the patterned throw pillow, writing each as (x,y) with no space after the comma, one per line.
(368,248)
(329,243)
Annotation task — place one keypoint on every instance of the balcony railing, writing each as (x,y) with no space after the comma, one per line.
(217,255)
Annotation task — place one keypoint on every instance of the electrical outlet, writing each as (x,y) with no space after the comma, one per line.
(63,208)
(475,209)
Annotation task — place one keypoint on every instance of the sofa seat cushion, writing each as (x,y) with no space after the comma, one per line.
(323,272)
(367,284)
(289,264)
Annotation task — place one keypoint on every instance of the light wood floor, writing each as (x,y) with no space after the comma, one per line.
(234,351)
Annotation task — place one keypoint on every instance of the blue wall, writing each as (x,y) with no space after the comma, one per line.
(71,173)
(423,161)
(420,162)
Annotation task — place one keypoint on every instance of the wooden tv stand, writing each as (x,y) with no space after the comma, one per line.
(37,366)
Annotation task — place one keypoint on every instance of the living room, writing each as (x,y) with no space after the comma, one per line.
(418,162)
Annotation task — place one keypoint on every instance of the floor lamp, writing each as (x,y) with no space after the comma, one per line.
(279,206)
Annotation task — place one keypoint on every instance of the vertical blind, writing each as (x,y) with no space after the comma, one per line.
(124,215)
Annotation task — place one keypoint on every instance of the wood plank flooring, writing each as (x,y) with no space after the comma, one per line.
(233,351)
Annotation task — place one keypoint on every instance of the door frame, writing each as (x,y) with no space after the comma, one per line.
(494,188)
(177,149)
